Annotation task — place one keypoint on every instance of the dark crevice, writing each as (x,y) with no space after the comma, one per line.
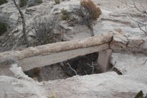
(117,71)
(81,65)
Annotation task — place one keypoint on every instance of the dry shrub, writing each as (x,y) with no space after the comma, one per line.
(92,9)
(65,15)
(57,1)
(140,94)
(44,30)
(23,3)
(86,14)
(3,28)
(3,2)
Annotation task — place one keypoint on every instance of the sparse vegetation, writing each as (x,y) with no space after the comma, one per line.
(3,2)
(85,14)
(44,30)
(65,15)
(34,73)
(141,8)
(23,23)
(91,9)
(140,95)
(3,28)
(82,65)
(23,3)
(57,1)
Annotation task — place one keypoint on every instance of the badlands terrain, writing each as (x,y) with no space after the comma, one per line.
(117,52)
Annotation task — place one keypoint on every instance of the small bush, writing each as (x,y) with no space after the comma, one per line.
(3,1)
(3,28)
(44,30)
(86,14)
(91,9)
(140,95)
(23,3)
(57,1)
(65,15)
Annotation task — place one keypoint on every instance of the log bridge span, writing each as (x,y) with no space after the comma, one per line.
(57,52)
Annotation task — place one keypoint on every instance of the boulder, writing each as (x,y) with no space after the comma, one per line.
(106,85)
(126,62)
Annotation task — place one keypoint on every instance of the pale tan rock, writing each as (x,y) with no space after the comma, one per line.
(130,44)
(119,42)
(128,62)
(135,42)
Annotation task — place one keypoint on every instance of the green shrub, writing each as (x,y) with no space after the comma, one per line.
(65,14)
(39,1)
(140,95)
(24,3)
(3,1)
(57,1)
(3,28)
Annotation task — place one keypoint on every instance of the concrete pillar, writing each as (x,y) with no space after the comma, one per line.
(104,59)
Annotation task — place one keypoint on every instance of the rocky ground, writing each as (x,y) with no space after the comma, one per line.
(106,85)
(118,17)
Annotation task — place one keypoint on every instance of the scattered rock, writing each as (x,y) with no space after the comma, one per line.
(129,53)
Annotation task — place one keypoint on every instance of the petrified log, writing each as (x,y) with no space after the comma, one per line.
(57,52)
(58,47)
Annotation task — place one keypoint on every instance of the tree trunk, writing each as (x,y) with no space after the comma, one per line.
(23,23)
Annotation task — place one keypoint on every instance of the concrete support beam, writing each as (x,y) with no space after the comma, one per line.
(42,60)
(104,59)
